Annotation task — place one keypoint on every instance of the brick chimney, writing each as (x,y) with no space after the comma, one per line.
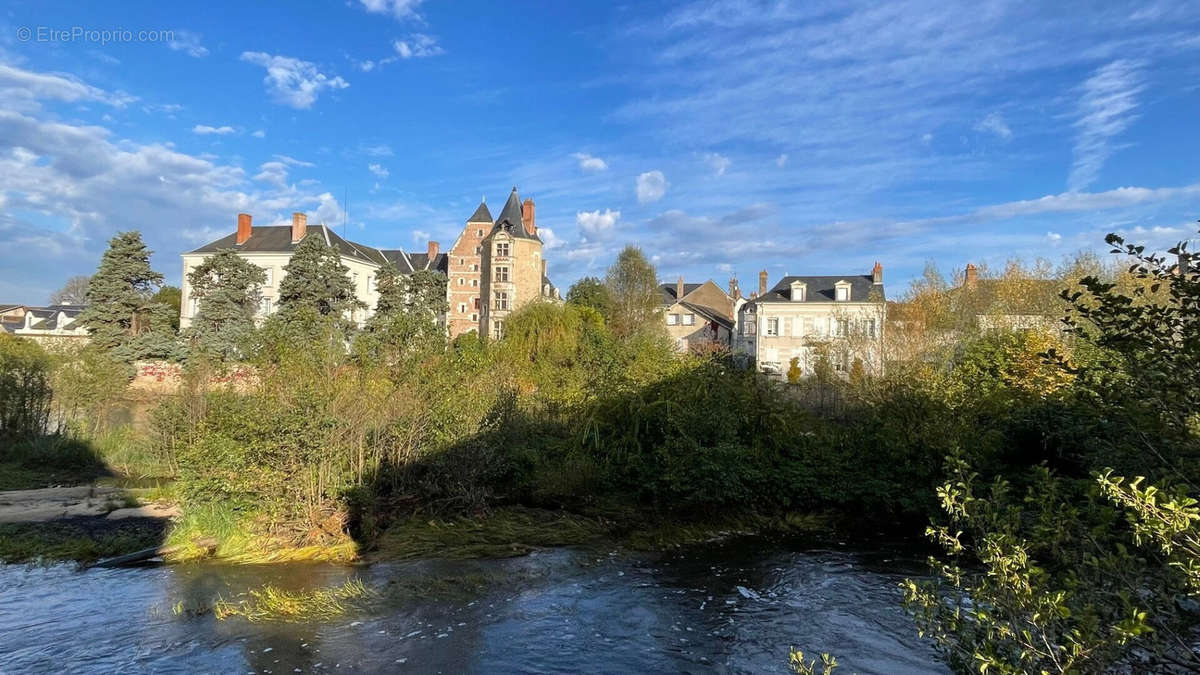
(762,282)
(299,226)
(971,276)
(527,217)
(432,251)
(243,232)
(679,288)
(877,273)
(734,291)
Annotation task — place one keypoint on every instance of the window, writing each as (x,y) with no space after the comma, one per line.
(371,285)
(501,274)
(354,279)
(497,329)
(478,233)
(478,250)
(501,300)
(474,317)
(475,282)
(843,327)
(689,319)
(475,267)
(270,272)
(870,327)
(772,326)
(502,249)
(461,281)
(462,308)
(193,307)
(843,293)
(672,319)
(264,306)
(807,327)
(476,301)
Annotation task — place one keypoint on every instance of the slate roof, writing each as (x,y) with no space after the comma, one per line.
(668,292)
(510,221)
(822,289)
(278,239)
(47,318)
(481,215)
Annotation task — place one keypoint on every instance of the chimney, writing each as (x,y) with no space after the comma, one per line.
(299,226)
(1185,266)
(734,291)
(432,251)
(971,276)
(527,217)
(877,273)
(679,288)
(762,282)
(243,232)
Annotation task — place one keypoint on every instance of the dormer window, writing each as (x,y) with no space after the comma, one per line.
(842,291)
(502,249)
(799,291)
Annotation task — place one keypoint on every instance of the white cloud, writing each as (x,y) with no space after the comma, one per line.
(781,160)
(188,43)
(550,240)
(596,225)
(381,150)
(204,129)
(589,163)
(292,161)
(994,124)
(1053,236)
(717,162)
(417,46)
(651,186)
(421,236)
(275,173)
(291,81)
(400,9)
(16,83)
(1106,109)
(68,187)
(378,170)
(259,134)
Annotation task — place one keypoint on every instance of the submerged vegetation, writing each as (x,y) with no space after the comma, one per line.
(271,603)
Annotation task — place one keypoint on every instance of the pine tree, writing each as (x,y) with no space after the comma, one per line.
(227,287)
(316,279)
(406,319)
(122,315)
(633,293)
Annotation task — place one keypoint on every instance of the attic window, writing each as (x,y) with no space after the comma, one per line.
(799,291)
(842,291)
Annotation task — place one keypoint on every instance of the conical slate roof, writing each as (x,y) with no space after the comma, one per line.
(481,215)
(510,218)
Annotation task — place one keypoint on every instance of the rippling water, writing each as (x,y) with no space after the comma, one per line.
(734,607)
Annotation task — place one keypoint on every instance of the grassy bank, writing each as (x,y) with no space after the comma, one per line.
(83,539)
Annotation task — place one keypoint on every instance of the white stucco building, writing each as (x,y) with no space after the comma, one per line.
(806,317)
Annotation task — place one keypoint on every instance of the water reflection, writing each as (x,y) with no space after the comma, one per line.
(734,607)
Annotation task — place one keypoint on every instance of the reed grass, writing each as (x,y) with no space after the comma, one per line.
(271,603)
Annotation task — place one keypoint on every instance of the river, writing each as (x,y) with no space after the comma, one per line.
(730,607)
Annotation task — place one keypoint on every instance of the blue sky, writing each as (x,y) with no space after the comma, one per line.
(722,136)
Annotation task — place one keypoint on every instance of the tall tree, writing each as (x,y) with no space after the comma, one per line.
(316,279)
(590,292)
(407,316)
(74,292)
(633,292)
(122,315)
(227,287)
